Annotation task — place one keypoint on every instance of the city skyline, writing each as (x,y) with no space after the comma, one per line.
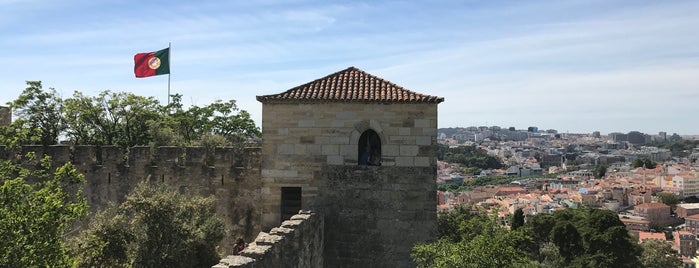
(573,66)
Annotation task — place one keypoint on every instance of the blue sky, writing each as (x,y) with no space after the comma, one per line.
(574,66)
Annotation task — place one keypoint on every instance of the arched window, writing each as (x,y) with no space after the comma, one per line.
(369,149)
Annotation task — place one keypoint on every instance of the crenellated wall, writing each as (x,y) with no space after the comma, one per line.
(232,175)
(298,242)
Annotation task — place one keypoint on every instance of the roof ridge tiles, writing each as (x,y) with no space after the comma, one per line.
(349,85)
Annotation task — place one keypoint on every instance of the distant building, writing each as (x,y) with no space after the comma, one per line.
(687,209)
(688,184)
(692,224)
(636,137)
(657,213)
(635,224)
(548,160)
(686,244)
(509,190)
(648,235)
(618,137)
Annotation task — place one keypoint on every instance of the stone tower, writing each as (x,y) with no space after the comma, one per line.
(5,116)
(359,150)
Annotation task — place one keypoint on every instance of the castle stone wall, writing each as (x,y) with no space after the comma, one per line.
(374,215)
(231,175)
(297,242)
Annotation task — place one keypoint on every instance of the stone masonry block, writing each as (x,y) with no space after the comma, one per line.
(256,251)
(346,115)
(349,150)
(422,161)
(279,173)
(282,231)
(403,161)
(423,140)
(291,223)
(285,149)
(300,149)
(390,150)
(322,140)
(404,131)
(431,131)
(303,215)
(330,149)
(339,140)
(423,123)
(267,239)
(307,123)
(337,123)
(409,150)
(335,160)
(313,149)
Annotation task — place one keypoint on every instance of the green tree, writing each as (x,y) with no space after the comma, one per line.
(40,112)
(154,227)
(517,219)
(486,245)
(669,199)
(550,256)
(643,162)
(659,254)
(38,207)
(219,118)
(585,238)
(600,171)
(470,156)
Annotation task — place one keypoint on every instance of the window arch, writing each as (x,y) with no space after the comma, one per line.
(369,148)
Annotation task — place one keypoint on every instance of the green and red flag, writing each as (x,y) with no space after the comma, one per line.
(152,63)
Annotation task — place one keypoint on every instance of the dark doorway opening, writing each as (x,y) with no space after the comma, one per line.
(369,149)
(291,202)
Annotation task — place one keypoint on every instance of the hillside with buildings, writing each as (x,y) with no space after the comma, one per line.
(549,171)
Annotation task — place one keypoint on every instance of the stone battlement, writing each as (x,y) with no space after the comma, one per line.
(297,242)
(230,174)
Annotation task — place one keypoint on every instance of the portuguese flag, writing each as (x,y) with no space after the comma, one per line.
(152,63)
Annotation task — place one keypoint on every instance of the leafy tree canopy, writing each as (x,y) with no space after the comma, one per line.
(482,243)
(669,199)
(566,238)
(154,227)
(678,147)
(643,162)
(122,119)
(35,216)
(659,254)
(468,156)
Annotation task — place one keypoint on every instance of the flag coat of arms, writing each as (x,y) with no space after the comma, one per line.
(152,63)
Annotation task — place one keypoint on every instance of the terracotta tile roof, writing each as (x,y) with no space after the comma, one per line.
(648,235)
(652,205)
(349,85)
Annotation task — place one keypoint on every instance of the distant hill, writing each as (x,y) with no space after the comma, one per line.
(450,130)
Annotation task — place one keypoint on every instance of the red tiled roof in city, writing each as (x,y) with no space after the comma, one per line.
(349,85)
(648,235)
(652,205)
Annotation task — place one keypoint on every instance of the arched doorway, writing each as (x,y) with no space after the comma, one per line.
(369,148)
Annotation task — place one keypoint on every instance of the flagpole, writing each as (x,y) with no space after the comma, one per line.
(169,51)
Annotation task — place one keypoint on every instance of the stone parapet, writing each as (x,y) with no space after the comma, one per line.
(297,242)
(230,174)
